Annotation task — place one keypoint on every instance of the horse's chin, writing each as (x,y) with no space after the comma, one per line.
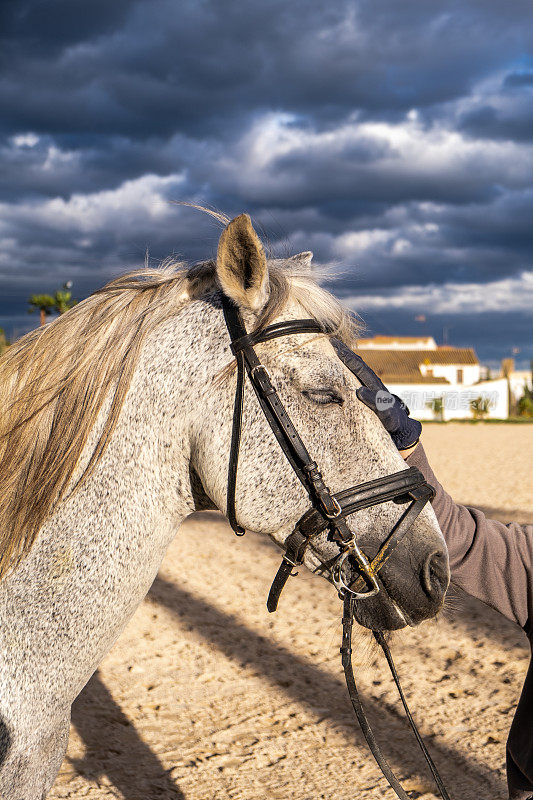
(381,614)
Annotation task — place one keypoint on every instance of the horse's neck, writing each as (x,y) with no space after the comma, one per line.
(97,555)
(146,463)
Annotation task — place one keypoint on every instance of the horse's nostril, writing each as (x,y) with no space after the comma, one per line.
(435,576)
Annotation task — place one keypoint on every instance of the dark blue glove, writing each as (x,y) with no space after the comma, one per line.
(390,409)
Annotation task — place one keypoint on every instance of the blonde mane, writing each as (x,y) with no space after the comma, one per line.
(54,381)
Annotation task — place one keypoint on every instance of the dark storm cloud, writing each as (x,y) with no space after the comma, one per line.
(148,68)
(392,138)
(519,79)
(49,27)
(508,114)
(58,166)
(493,123)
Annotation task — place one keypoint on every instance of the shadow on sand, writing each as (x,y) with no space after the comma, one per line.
(114,748)
(308,684)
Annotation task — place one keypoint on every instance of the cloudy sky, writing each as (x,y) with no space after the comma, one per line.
(394,139)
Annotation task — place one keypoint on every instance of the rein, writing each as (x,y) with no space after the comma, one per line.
(328,511)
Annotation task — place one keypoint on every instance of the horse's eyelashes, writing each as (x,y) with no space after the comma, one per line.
(324,396)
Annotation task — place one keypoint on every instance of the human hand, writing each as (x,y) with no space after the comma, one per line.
(389,408)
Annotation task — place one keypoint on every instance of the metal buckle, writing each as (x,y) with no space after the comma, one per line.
(338,509)
(339,582)
(265,370)
(293,564)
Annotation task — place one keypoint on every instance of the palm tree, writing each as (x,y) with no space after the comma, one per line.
(44,303)
(63,298)
(525,404)
(60,302)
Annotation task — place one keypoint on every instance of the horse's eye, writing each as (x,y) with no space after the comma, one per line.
(324,396)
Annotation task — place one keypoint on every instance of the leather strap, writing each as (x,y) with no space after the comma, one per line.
(397,487)
(363,496)
(346,653)
(380,639)
(394,537)
(234,448)
(275,331)
(328,511)
(295,547)
(280,422)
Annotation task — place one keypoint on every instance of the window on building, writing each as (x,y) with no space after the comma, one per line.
(459,376)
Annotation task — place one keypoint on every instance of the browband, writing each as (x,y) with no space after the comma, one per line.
(275,331)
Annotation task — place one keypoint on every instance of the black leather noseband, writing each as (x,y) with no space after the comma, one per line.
(328,511)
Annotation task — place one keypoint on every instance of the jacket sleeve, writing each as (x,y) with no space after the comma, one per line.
(489,560)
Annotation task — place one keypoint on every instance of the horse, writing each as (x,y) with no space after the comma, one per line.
(116,424)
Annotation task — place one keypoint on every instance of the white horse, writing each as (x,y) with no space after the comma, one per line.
(115,424)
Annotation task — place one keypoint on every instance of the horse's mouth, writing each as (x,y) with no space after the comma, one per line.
(387,612)
(402,615)
(381,613)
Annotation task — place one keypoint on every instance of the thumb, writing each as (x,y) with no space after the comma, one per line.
(367,396)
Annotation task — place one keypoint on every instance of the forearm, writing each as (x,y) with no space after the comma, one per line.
(489,560)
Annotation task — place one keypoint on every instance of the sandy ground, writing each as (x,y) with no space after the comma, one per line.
(206,695)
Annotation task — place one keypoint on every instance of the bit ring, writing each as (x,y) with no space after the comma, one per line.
(341,585)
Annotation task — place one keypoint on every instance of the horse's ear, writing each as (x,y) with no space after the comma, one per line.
(302,259)
(242,269)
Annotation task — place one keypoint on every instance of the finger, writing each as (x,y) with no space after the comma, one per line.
(403,405)
(383,404)
(367,396)
(356,365)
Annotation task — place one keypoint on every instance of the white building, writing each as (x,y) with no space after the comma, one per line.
(456,398)
(519,380)
(420,371)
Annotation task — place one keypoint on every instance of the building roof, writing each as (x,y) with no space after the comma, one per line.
(398,343)
(403,366)
(390,378)
(395,339)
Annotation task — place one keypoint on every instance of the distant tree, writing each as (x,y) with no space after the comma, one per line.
(63,298)
(525,404)
(46,304)
(43,303)
(437,406)
(480,407)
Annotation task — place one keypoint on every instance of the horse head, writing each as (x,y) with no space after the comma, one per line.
(342,435)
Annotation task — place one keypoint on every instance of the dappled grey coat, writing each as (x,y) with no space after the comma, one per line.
(493,562)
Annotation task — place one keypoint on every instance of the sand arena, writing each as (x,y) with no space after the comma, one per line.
(206,695)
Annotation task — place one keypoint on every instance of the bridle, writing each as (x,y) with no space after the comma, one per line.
(328,511)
